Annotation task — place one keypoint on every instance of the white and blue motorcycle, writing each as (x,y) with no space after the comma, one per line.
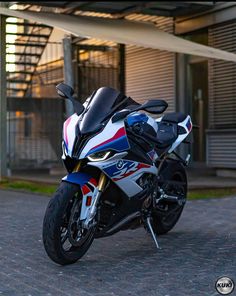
(123,172)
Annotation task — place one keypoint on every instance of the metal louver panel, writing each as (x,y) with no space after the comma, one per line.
(222,79)
(221,140)
(150,73)
(221,148)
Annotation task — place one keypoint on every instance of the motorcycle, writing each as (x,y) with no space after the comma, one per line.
(123,172)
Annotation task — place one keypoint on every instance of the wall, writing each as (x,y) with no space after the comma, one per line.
(221,137)
(150,73)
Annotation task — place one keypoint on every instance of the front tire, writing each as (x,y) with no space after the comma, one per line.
(63,240)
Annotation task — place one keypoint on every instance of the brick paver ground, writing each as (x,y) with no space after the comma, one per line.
(201,248)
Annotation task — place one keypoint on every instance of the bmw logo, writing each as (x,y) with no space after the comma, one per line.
(120,164)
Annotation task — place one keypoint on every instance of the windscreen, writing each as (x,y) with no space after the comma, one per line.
(103,102)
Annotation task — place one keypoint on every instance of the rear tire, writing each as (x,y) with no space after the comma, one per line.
(57,217)
(164,221)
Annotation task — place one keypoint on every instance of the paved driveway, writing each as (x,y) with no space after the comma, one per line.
(201,248)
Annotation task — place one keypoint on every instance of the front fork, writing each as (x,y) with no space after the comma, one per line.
(91,211)
(90,198)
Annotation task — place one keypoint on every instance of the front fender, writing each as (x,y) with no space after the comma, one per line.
(79,178)
(88,192)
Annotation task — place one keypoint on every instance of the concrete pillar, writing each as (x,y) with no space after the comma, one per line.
(182,99)
(68,71)
(122,76)
(181,89)
(3,99)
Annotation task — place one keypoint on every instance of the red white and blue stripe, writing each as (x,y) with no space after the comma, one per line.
(118,142)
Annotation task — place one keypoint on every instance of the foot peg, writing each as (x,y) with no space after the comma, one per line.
(149,225)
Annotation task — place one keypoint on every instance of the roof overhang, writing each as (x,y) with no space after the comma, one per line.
(122,8)
(121,31)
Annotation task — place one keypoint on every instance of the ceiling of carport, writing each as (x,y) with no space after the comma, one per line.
(123,8)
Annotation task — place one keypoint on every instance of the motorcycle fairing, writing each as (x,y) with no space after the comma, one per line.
(125,173)
(123,169)
(112,137)
(69,133)
(187,125)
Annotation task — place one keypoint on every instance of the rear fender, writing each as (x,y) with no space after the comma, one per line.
(88,186)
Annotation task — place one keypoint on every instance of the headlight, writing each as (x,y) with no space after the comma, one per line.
(98,156)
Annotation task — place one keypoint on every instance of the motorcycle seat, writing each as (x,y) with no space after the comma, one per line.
(174,117)
(166,133)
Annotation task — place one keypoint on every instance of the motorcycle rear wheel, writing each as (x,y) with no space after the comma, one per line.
(64,241)
(165,220)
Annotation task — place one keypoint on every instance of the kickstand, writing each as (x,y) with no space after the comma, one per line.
(149,225)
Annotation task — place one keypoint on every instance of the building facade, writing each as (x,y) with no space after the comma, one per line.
(204,88)
(201,87)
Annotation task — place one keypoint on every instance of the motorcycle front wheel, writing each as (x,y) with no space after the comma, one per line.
(64,239)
